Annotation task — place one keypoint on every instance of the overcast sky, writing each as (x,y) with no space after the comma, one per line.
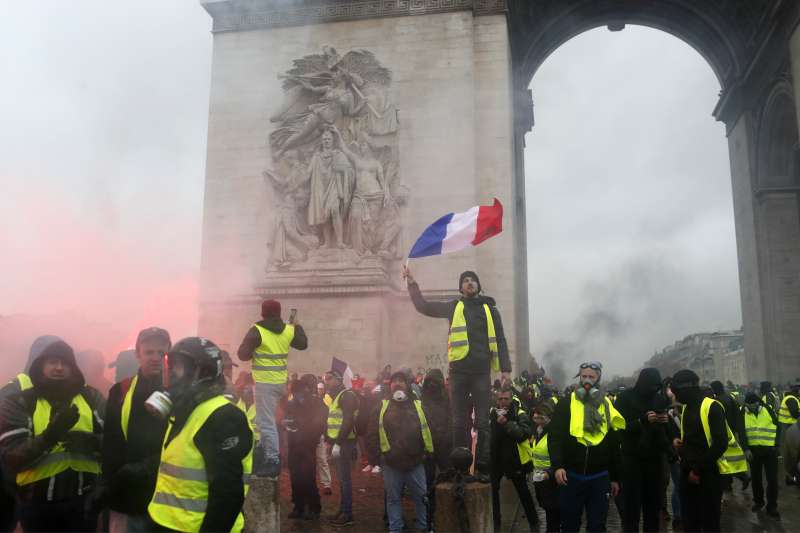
(104,111)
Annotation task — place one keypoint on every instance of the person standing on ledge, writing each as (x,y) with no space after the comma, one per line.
(267,344)
(476,346)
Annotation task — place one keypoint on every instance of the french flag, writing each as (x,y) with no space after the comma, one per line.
(456,231)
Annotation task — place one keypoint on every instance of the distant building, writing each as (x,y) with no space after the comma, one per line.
(718,355)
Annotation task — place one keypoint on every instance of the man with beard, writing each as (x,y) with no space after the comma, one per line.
(476,347)
(400,431)
(436,405)
(208,450)
(584,452)
(133,436)
(708,450)
(305,423)
(50,439)
(644,448)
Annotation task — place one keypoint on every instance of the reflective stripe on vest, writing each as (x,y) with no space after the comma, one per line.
(181,493)
(335,418)
(125,415)
(58,459)
(427,439)
(608,413)
(24,381)
(270,359)
(759,428)
(458,340)
(733,460)
(784,415)
(541,454)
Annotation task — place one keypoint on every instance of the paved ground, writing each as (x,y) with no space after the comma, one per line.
(368,510)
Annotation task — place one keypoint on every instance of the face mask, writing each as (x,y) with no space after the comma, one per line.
(399,395)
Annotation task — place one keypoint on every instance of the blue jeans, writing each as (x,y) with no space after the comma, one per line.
(590,493)
(394,481)
(675,476)
(344,470)
(267,396)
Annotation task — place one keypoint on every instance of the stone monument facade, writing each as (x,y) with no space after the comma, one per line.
(333,142)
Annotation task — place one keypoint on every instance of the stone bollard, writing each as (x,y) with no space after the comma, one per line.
(478,503)
(262,508)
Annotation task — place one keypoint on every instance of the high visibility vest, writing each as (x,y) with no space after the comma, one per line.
(24,381)
(181,494)
(458,340)
(759,428)
(541,454)
(733,460)
(611,417)
(784,415)
(58,459)
(125,415)
(250,412)
(271,357)
(336,416)
(423,426)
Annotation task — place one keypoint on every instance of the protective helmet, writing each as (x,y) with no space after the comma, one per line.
(196,353)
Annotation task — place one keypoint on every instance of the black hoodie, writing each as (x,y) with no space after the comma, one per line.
(478,359)
(19,448)
(641,439)
(252,339)
(436,405)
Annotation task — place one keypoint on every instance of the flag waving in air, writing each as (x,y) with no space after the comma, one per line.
(456,231)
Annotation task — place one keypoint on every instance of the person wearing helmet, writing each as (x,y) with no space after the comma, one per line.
(476,347)
(207,456)
(133,436)
(50,437)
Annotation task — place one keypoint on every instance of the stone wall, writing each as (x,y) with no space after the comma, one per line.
(451,85)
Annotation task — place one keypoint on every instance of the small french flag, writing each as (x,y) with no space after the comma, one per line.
(456,231)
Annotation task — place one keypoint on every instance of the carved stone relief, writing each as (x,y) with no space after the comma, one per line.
(335,164)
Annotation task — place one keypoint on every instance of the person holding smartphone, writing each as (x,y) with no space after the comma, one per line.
(267,344)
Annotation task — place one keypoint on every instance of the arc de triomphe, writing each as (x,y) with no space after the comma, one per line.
(338,129)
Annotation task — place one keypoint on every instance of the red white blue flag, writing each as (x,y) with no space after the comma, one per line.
(456,231)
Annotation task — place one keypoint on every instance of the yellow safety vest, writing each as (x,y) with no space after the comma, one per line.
(759,429)
(733,460)
(181,494)
(458,340)
(608,413)
(24,381)
(125,415)
(335,418)
(271,356)
(784,416)
(58,459)
(250,412)
(423,426)
(541,454)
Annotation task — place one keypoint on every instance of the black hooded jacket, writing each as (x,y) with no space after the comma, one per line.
(505,438)
(436,405)
(19,448)
(642,439)
(402,427)
(252,339)
(478,360)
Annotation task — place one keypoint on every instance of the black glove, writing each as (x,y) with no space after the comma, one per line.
(82,441)
(95,501)
(61,424)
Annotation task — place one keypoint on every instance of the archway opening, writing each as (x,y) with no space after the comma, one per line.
(630,232)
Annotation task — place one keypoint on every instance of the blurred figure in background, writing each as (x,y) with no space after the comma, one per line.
(759,440)
(125,365)
(93,366)
(544,482)
(436,405)
(323,468)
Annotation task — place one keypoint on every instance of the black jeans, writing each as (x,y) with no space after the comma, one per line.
(547,496)
(765,458)
(303,476)
(591,495)
(65,515)
(467,391)
(523,492)
(642,486)
(701,504)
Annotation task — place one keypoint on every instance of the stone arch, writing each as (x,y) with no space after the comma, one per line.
(777,148)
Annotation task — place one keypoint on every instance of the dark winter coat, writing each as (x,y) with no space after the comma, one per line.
(402,426)
(640,438)
(436,405)
(309,414)
(505,437)
(478,360)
